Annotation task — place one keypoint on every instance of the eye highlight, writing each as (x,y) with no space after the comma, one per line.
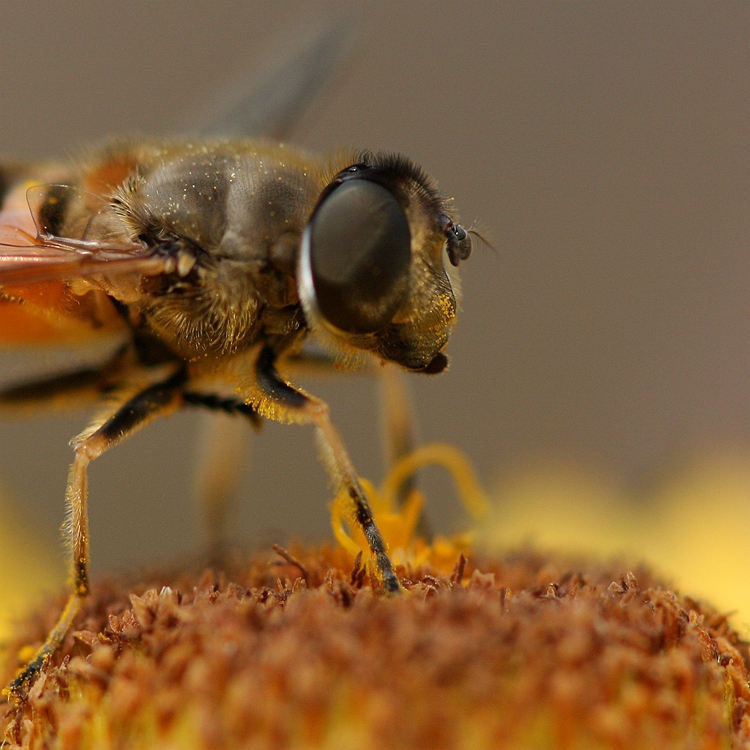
(356,254)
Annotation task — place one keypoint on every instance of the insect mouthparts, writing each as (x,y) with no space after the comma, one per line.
(436,365)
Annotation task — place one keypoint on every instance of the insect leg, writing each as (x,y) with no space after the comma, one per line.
(399,440)
(159,399)
(223,447)
(396,413)
(398,421)
(283,402)
(67,390)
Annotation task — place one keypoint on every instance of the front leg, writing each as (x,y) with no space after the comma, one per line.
(156,400)
(281,401)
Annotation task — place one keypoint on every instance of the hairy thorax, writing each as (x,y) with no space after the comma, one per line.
(232,219)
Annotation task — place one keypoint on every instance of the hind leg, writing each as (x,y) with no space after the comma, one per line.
(126,417)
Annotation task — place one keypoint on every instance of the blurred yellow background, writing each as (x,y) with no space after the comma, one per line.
(692,527)
(29,568)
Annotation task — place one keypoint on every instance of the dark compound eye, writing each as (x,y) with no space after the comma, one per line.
(356,256)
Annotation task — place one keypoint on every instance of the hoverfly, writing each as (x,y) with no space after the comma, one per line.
(212,262)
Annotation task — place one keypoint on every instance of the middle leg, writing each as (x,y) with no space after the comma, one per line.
(223,446)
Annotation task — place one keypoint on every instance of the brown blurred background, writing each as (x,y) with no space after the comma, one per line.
(603,149)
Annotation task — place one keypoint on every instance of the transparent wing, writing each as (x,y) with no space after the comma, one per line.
(30,253)
(268,99)
(44,262)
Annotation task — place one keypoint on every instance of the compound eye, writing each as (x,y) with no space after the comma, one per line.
(356,255)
